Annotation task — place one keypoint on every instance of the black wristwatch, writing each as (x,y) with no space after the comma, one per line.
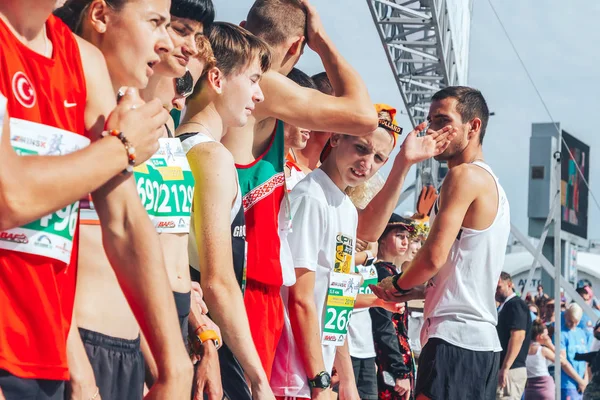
(321,381)
(370,259)
(395,283)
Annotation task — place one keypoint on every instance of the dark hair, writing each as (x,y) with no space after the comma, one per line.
(540,286)
(301,78)
(581,291)
(471,104)
(73,11)
(199,10)
(399,223)
(274,21)
(505,276)
(537,328)
(323,83)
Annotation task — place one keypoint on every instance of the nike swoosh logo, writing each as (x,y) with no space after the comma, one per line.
(69,105)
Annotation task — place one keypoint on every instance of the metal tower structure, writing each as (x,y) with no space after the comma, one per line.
(427,44)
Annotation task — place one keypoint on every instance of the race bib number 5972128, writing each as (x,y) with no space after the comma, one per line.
(166,187)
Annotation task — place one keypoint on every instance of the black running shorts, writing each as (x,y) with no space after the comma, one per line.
(448,372)
(118,365)
(15,388)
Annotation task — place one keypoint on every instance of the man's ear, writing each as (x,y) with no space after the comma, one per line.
(215,77)
(243,24)
(296,46)
(335,139)
(475,128)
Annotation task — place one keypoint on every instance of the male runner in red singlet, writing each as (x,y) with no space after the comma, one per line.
(257,148)
(46,75)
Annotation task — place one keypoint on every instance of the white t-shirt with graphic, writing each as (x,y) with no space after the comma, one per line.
(322,215)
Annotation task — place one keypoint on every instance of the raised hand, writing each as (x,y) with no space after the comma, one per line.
(420,148)
(314,26)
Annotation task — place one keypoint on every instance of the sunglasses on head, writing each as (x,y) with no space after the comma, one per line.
(184,86)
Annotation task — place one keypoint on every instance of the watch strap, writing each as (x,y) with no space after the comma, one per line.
(395,284)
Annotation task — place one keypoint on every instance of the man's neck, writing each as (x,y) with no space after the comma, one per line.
(466,157)
(513,294)
(198,115)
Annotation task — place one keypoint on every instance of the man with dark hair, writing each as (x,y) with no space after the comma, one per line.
(514,332)
(461,260)
(258,147)
(469,104)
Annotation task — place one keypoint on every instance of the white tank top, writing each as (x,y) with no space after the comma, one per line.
(187,145)
(459,301)
(536,364)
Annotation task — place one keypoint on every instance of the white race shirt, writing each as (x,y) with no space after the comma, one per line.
(320,212)
(459,301)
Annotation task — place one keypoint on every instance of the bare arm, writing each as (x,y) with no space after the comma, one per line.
(564,364)
(305,322)
(350,112)
(311,109)
(452,210)
(514,346)
(214,172)
(343,366)
(71,177)
(82,383)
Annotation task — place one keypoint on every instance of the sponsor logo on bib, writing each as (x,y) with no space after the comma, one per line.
(14,237)
(43,241)
(165,224)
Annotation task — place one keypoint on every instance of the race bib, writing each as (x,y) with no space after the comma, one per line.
(369,275)
(344,250)
(50,236)
(343,289)
(166,187)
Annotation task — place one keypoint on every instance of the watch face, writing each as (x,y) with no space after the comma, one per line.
(325,380)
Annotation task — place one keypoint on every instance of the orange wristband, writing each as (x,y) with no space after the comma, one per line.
(210,334)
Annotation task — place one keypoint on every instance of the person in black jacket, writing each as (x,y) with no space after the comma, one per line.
(395,366)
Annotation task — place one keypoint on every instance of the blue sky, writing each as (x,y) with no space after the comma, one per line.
(556,41)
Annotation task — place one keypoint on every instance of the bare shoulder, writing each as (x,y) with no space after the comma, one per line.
(91,57)
(468,176)
(533,348)
(464,183)
(211,155)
